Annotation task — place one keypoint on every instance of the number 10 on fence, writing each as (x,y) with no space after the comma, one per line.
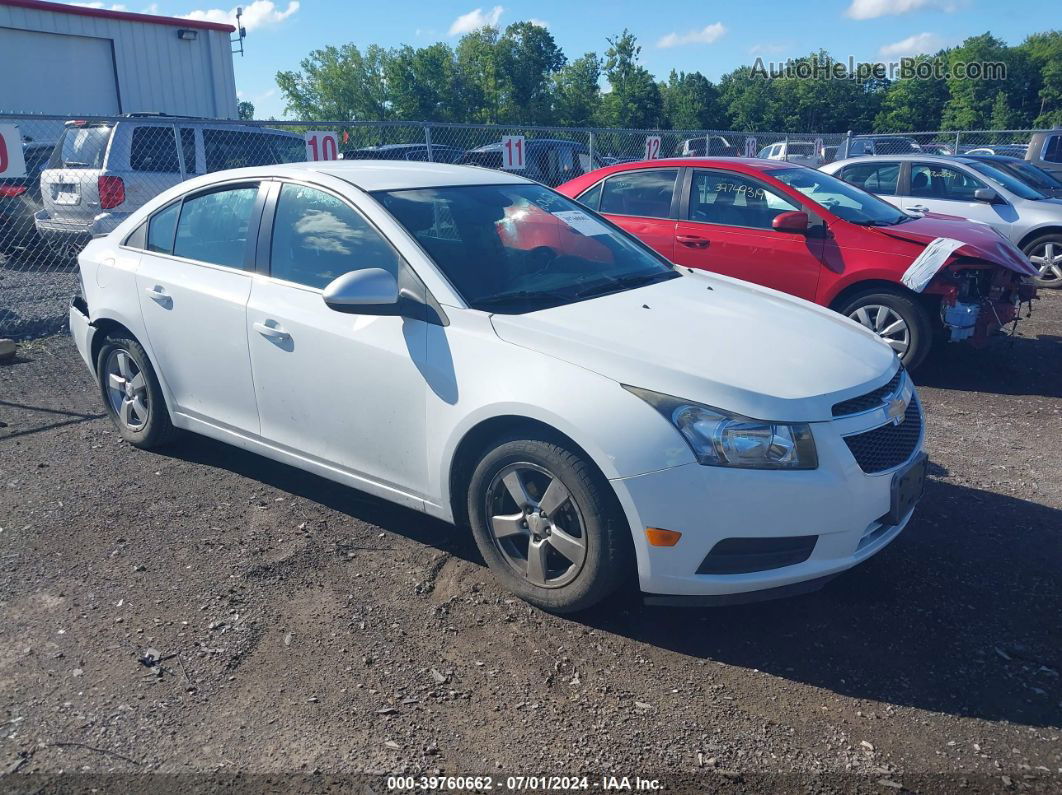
(513,147)
(321,146)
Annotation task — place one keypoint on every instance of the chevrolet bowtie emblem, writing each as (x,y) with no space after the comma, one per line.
(896,409)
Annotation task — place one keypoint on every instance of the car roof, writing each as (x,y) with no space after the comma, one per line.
(928,158)
(992,158)
(746,163)
(531,143)
(372,175)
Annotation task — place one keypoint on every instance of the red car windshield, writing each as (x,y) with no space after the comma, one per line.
(518,248)
(841,198)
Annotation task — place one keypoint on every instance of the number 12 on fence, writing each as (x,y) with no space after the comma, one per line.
(321,146)
(513,147)
(652,147)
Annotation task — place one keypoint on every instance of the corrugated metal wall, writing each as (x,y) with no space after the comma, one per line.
(155,70)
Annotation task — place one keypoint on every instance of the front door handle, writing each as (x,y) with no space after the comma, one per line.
(919,208)
(157,293)
(272,332)
(693,241)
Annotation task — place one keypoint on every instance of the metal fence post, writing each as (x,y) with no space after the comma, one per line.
(786,145)
(590,146)
(180,154)
(958,135)
(427,142)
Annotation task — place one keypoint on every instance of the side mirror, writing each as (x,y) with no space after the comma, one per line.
(985,195)
(364,292)
(793,221)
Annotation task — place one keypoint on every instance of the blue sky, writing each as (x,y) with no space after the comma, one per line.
(712,38)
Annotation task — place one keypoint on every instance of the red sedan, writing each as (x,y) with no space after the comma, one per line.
(809,234)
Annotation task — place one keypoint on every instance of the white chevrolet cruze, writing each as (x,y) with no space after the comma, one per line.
(475,346)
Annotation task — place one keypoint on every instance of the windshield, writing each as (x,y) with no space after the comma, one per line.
(81,147)
(843,200)
(1005,180)
(517,248)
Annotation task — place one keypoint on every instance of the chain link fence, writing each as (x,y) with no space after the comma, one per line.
(67,180)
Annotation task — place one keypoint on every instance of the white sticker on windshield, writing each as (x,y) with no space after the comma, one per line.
(929,262)
(581,222)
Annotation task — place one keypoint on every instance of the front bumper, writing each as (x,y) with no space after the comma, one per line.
(840,507)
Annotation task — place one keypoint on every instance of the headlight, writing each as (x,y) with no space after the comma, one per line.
(730,440)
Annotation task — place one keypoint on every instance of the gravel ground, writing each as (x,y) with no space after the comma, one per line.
(307,628)
(35,290)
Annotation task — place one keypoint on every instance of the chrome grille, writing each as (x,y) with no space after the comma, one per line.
(871,400)
(890,445)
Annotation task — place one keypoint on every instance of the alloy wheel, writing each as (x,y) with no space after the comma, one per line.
(536,525)
(1048,260)
(886,323)
(127,390)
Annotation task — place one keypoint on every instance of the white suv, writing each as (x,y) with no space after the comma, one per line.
(100,172)
(476,346)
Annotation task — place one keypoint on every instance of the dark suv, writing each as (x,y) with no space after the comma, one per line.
(549,161)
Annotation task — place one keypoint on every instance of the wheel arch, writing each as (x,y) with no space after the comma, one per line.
(1038,232)
(105,326)
(869,284)
(475,442)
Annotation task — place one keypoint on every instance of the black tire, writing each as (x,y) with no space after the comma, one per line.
(608,562)
(919,326)
(1036,248)
(154,428)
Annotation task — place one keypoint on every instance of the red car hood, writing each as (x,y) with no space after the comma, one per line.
(979,240)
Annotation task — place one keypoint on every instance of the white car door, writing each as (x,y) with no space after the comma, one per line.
(938,188)
(344,389)
(193,287)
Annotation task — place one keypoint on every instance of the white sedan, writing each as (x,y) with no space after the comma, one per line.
(478,347)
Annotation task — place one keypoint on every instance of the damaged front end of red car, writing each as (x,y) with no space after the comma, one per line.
(979,299)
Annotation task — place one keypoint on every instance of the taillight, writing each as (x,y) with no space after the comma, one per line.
(11,191)
(112,192)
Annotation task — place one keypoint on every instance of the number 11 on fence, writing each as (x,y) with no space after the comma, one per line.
(513,152)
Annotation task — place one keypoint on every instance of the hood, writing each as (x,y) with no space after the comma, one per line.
(980,241)
(715,340)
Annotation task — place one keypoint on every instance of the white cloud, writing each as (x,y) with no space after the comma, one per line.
(476,19)
(872,9)
(539,23)
(707,35)
(104,6)
(913,45)
(259,14)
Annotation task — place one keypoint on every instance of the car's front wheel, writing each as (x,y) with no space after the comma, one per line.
(548,525)
(131,392)
(1045,253)
(898,319)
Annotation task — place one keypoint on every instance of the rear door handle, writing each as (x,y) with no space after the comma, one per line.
(694,241)
(272,332)
(157,293)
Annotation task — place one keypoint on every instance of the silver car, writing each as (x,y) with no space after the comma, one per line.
(968,188)
(101,171)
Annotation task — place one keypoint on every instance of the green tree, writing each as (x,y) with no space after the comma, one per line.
(481,78)
(528,58)
(245,110)
(337,83)
(913,104)
(971,101)
(1044,51)
(691,102)
(1002,118)
(424,84)
(634,97)
(577,91)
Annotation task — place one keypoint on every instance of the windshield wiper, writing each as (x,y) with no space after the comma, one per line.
(516,296)
(615,284)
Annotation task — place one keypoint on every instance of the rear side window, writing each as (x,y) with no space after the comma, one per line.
(213,226)
(154,149)
(1053,149)
(241,148)
(642,193)
(873,177)
(81,147)
(160,229)
(317,237)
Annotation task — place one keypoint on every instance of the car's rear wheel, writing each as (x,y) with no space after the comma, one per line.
(131,392)
(1045,253)
(548,525)
(898,319)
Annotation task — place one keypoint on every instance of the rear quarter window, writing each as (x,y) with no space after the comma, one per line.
(81,147)
(154,149)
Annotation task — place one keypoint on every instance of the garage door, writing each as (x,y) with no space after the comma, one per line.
(53,73)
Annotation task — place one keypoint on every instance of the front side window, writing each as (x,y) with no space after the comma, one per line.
(641,193)
(874,177)
(161,229)
(836,196)
(317,237)
(518,248)
(934,181)
(213,226)
(1053,149)
(154,149)
(720,197)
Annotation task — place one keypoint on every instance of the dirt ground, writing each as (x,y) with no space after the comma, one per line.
(307,628)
